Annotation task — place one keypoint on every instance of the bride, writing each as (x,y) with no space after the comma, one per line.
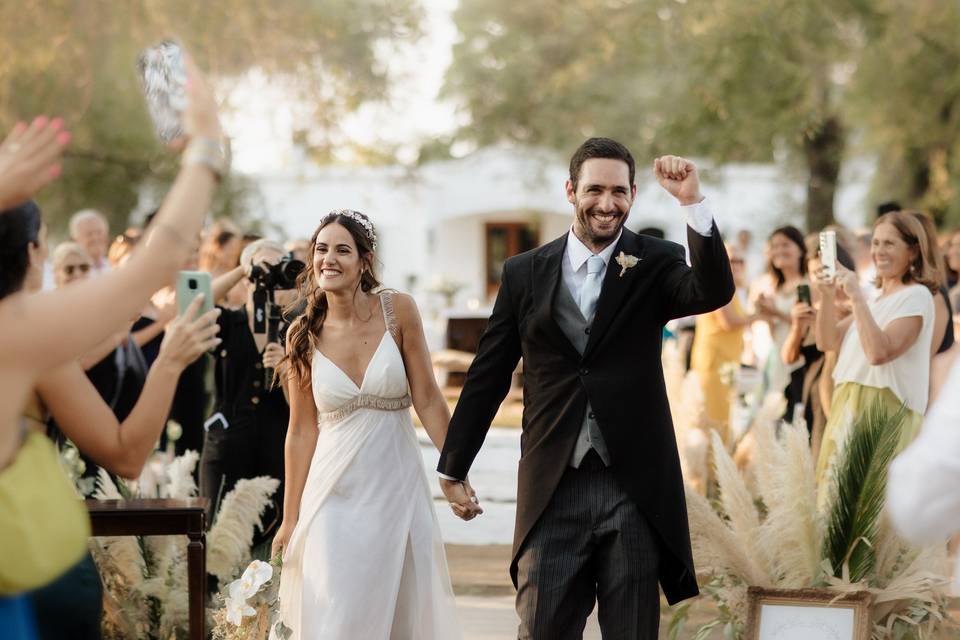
(362,553)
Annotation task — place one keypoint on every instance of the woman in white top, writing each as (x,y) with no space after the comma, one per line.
(885,344)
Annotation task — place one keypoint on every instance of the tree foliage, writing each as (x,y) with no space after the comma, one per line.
(724,79)
(78,60)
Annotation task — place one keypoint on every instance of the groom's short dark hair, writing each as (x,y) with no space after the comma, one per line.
(600,148)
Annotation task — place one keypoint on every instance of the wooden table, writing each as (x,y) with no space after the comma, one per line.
(162,517)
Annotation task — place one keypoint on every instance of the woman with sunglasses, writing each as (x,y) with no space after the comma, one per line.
(70,263)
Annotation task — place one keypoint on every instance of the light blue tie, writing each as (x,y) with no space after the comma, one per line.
(591,287)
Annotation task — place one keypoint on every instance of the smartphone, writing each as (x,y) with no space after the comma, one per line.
(828,253)
(190,284)
(803,294)
(164,79)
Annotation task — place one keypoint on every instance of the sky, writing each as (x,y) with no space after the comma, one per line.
(261,114)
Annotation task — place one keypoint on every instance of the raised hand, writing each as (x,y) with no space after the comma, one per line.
(679,177)
(30,159)
(462,498)
(187,337)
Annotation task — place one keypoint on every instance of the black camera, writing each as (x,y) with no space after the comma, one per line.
(280,276)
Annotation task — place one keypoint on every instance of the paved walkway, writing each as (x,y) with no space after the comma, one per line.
(493,618)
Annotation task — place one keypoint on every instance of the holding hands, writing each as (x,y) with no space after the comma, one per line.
(462,498)
(679,177)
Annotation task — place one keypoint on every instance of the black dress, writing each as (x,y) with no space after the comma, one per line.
(191,399)
(948,337)
(256,418)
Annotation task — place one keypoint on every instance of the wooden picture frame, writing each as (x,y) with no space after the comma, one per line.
(788,614)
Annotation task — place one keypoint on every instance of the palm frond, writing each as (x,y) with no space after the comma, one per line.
(859,482)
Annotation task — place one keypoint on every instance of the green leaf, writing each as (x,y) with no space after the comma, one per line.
(857,495)
(680,614)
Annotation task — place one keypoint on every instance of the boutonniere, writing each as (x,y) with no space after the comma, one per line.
(626,261)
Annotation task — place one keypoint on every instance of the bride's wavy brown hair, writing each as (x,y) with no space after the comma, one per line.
(304,331)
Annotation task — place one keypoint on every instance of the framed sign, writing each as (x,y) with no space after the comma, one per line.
(805,614)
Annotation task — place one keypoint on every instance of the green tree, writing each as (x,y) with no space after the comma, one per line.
(724,79)
(78,60)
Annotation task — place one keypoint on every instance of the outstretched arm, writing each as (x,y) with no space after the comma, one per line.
(487,384)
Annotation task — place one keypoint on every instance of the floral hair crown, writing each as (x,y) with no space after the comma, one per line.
(361,220)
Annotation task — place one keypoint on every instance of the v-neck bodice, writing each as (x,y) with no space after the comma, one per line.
(383,386)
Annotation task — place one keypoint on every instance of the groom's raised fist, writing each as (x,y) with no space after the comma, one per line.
(679,177)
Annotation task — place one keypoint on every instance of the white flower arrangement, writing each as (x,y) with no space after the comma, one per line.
(251,607)
(145,578)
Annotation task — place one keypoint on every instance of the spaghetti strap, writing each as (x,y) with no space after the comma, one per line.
(389,315)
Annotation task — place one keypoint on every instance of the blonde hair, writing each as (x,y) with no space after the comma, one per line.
(65,250)
(923,267)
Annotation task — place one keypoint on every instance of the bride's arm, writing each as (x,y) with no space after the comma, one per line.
(298,449)
(428,401)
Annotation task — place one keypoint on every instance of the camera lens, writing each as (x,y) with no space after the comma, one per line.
(192,283)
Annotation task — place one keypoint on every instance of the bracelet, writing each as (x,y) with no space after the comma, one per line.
(207,152)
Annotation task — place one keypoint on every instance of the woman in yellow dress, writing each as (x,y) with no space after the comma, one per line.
(717,345)
(884,345)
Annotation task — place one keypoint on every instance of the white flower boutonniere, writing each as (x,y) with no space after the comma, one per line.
(626,261)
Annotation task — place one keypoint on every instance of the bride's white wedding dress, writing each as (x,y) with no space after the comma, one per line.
(366,560)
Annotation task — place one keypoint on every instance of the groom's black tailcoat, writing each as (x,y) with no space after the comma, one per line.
(619,373)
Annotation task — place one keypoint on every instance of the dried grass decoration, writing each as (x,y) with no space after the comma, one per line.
(775,537)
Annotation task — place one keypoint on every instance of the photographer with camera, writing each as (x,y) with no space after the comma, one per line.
(246,430)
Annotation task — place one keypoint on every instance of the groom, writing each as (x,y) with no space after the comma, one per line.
(600,504)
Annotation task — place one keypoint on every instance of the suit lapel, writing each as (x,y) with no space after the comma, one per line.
(615,287)
(546,279)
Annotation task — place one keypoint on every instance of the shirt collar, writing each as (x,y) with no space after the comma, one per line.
(578,253)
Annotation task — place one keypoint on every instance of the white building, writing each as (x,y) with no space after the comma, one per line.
(453,222)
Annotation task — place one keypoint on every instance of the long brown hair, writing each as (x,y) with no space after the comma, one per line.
(935,254)
(923,269)
(304,331)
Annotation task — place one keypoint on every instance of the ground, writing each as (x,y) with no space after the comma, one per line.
(485,598)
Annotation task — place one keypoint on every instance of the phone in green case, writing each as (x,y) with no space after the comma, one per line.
(190,284)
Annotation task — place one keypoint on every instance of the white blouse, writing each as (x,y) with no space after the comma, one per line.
(907,376)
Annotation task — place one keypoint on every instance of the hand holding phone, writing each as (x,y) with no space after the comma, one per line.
(190,284)
(828,253)
(803,294)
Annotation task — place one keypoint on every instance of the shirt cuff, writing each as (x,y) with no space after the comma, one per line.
(450,478)
(700,217)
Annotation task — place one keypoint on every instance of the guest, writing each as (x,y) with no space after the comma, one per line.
(786,270)
(943,323)
(718,343)
(246,434)
(952,255)
(884,347)
(816,385)
(70,263)
(121,247)
(90,230)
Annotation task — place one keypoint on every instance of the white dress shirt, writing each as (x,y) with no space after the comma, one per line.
(573,268)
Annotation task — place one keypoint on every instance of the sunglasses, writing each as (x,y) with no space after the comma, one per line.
(71,268)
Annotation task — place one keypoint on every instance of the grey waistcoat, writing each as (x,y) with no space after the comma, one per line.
(567,314)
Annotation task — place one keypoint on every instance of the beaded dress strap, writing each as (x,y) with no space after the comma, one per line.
(389,315)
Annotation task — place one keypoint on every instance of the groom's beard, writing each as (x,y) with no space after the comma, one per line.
(596,229)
